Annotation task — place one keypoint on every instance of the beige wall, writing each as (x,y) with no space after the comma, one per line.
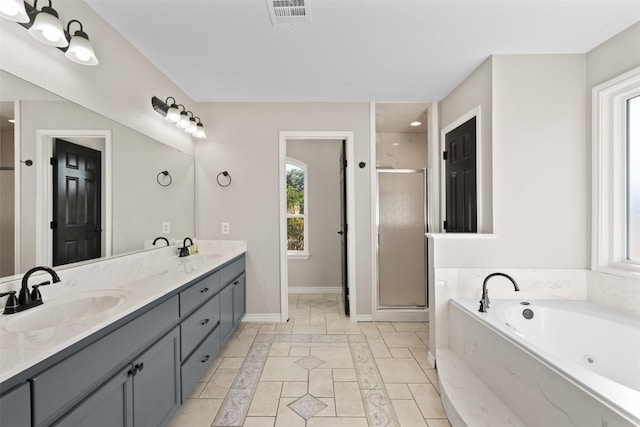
(140,205)
(120,87)
(244,141)
(323,268)
(616,56)
(410,153)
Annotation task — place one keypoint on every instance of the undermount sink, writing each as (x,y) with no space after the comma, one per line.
(64,311)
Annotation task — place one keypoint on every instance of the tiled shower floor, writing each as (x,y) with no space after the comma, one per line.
(319,370)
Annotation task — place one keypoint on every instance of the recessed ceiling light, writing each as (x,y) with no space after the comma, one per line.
(414,124)
(11,121)
(395,144)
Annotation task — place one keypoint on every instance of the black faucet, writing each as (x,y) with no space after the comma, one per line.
(184,250)
(161,238)
(484,301)
(26,299)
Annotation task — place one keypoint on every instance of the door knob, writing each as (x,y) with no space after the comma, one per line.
(341,232)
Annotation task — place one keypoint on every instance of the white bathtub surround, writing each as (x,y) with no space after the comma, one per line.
(466,399)
(595,383)
(467,283)
(141,278)
(617,292)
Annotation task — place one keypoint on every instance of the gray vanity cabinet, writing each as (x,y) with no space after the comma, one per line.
(145,393)
(109,406)
(156,382)
(15,407)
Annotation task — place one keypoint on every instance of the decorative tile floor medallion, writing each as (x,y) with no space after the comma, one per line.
(307,406)
(309,362)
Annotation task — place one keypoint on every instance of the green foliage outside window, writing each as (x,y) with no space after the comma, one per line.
(295,206)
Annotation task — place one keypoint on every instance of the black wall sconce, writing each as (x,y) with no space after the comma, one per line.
(171,112)
(45,26)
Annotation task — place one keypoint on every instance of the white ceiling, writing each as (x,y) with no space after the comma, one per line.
(353,50)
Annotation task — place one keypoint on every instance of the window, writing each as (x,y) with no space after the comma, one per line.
(297,209)
(633,179)
(616,175)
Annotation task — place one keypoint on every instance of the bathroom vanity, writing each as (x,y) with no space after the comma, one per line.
(135,357)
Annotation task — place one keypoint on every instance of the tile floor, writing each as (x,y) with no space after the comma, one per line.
(319,370)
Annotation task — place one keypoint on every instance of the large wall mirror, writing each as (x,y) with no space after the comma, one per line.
(77,186)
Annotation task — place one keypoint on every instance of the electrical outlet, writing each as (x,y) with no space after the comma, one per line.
(225,228)
(166,227)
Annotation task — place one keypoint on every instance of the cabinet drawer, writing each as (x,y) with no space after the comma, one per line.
(196,365)
(64,383)
(198,293)
(231,271)
(198,325)
(15,407)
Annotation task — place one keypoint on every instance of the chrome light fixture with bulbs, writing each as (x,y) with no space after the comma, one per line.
(44,25)
(170,110)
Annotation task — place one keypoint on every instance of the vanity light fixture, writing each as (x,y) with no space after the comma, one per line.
(173,113)
(80,49)
(14,10)
(200,133)
(45,26)
(183,119)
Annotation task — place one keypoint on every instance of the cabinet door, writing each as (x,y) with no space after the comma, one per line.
(239,301)
(15,407)
(226,311)
(156,382)
(109,406)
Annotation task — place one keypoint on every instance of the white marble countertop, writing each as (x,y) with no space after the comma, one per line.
(134,281)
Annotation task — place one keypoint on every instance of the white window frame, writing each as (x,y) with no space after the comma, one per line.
(609,175)
(304,254)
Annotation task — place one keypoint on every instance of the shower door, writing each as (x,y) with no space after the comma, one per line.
(402,222)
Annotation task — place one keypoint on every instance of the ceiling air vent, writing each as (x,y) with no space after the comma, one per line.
(289,11)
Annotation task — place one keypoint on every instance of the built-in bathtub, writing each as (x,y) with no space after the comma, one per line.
(552,363)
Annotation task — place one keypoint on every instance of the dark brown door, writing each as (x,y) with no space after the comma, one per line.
(343,226)
(77,225)
(460,172)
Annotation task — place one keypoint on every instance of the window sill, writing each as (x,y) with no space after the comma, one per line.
(628,271)
(298,255)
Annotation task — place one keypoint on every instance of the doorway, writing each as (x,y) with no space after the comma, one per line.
(402,276)
(77,201)
(339,219)
(97,140)
(401,135)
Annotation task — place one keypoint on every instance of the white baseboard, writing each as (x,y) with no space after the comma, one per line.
(431,359)
(364,318)
(262,317)
(315,290)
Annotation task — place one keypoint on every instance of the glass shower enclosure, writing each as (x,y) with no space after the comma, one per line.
(402,224)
